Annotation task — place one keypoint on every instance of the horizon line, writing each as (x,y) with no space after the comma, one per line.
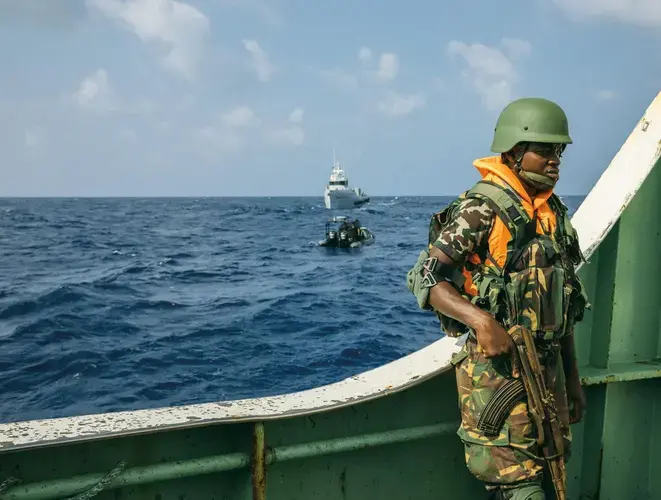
(14,197)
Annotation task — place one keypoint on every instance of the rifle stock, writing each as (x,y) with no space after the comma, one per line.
(541,405)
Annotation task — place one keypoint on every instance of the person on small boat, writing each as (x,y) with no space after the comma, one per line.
(354,231)
(503,254)
(348,232)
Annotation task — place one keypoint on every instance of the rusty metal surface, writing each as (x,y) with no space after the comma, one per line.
(258,462)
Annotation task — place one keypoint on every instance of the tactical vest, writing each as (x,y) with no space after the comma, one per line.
(536,287)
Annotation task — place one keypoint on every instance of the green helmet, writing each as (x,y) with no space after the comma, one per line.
(530,119)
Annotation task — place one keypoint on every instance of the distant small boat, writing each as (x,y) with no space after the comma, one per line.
(349,234)
(338,194)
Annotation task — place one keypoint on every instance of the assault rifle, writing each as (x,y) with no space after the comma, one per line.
(541,406)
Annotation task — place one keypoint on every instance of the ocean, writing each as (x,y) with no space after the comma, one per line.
(125,304)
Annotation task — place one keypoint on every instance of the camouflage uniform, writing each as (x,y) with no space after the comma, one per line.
(535,288)
(467,231)
(513,456)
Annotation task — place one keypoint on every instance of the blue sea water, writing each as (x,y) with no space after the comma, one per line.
(120,304)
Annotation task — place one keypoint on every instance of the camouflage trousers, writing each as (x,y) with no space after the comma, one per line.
(513,456)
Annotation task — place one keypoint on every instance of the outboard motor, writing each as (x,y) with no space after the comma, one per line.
(344,238)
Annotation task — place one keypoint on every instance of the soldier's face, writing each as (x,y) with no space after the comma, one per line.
(543,159)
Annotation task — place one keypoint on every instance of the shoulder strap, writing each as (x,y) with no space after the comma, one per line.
(565,231)
(563,225)
(507,205)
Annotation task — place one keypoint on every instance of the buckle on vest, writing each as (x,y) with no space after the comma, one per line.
(437,271)
(514,214)
(429,265)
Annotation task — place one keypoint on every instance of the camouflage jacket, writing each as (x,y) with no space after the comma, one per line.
(467,232)
(538,290)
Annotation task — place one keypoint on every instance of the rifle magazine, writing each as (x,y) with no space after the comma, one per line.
(500,405)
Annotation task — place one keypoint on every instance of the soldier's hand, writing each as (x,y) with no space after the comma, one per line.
(493,338)
(577,401)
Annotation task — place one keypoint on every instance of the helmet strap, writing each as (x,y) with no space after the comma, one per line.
(538,181)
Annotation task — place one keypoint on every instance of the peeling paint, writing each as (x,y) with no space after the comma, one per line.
(398,375)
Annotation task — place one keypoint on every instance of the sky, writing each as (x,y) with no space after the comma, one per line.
(251,97)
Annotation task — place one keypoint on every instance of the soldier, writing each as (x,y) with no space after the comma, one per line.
(503,254)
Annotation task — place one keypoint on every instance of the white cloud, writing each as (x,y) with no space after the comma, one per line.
(242,116)
(365,54)
(488,61)
(491,73)
(94,92)
(260,60)
(216,139)
(516,48)
(230,135)
(240,127)
(386,71)
(296,116)
(495,94)
(288,136)
(177,26)
(388,67)
(370,82)
(605,95)
(291,135)
(395,104)
(339,78)
(641,12)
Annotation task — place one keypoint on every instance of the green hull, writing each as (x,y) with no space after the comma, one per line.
(390,433)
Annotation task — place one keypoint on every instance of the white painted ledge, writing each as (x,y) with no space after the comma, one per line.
(386,379)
